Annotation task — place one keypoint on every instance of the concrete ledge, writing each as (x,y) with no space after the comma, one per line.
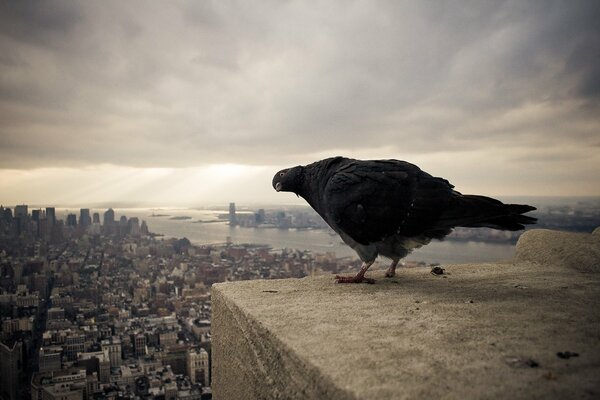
(479,331)
(250,362)
(579,251)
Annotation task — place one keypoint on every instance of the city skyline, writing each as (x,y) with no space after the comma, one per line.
(187,103)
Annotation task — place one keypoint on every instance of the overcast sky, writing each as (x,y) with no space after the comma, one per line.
(191,102)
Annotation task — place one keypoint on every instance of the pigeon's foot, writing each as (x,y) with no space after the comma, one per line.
(359,278)
(391,272)
(353,279)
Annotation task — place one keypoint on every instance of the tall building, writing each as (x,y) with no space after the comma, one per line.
(96,361)
(113,345)
(84,217)
(36,215)
(95,228)
(21,217)
(133,226)
(144,229)
(7,215)
(123,227)
(51,216)
(36,218)
(74,343)
(71,220)
(176,357)
(43,230)
(197,366)
(11,367)
(21,211)
(232,216)
(109,217)
(108,223)
(139,344)
(50,358)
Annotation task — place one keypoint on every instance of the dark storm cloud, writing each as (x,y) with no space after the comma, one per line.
(193,83)
(39,22)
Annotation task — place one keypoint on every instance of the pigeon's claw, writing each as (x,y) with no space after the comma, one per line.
(353,279)
(360,277)
(391,272)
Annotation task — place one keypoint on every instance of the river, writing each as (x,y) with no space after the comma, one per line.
(317,241)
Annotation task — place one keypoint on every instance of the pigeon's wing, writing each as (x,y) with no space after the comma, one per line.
(371,200)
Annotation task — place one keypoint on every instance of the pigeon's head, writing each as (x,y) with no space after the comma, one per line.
(289,180)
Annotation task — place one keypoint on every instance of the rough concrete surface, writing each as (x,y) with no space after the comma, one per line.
(478,331)
(580,251)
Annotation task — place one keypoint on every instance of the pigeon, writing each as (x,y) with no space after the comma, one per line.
(390,207)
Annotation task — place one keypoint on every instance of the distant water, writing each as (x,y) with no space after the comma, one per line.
(317,241)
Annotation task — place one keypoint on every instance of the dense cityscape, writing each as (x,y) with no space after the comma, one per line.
(95,307)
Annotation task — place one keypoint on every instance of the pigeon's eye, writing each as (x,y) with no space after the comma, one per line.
(281,174)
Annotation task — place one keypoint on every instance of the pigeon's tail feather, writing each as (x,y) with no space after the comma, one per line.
(508,223)
(473,211)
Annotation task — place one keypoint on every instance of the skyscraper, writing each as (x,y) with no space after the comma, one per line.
(36,215)
(84,217)
(109,217)
(6,215)
(51,216)
(122,228)
(133,226)
(49,231)
(71,220)
(96,218)
(21,211)
(232,217)
(11,367)
(144,228)
(21,216)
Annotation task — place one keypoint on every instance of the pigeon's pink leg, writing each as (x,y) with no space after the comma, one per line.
(360,277)
(392,269)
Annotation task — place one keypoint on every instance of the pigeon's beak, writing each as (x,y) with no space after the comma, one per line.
(278,186)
